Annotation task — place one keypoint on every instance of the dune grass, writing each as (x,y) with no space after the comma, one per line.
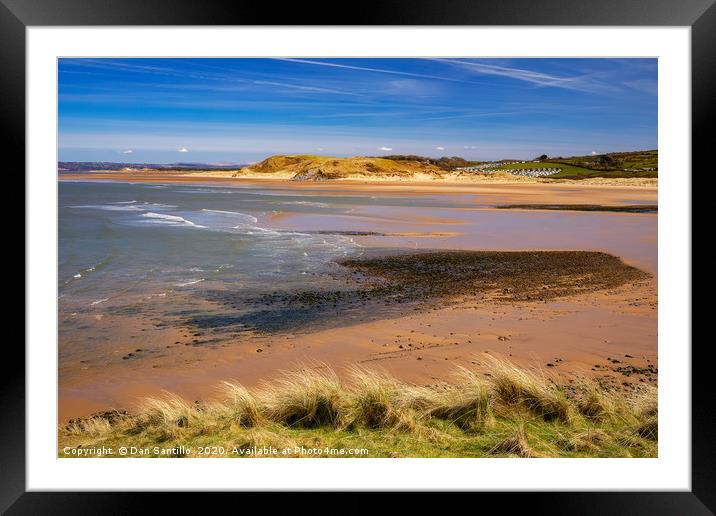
(507,411)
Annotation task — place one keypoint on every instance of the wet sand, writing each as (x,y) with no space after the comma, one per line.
(577,334)
(631,236)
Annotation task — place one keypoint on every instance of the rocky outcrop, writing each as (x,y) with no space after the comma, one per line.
(313,174)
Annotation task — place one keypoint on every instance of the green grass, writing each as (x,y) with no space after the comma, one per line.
(575,172)
(508,412)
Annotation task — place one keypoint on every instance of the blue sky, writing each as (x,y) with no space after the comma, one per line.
(242,110)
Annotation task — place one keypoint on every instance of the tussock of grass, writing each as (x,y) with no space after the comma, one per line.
(508,411)
(465,403)
(307,398)
(169,411)
(240,405)
(646,402)
(92,426)
(376,401)
(519,388)
(597,405)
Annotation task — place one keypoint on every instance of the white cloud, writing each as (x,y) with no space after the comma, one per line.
(594,153)
(183,149)
(440,148)
(386,148)
(128,151)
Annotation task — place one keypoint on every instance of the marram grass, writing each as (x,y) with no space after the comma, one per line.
(507,412)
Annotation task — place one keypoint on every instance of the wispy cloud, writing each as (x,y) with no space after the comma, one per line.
(128,151)
(370,69)
(311,89)
(114,65)
(183,149)
(477,115)
(644,85)
(582,82)
(386,148)
(231,79)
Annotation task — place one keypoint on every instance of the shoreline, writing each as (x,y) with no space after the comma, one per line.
(420,182)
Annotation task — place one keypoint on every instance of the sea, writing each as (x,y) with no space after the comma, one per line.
(191,248)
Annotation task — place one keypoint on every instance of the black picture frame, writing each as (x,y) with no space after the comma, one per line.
(16,15)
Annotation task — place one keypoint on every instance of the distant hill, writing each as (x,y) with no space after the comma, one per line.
(445,163)
(87,166)
(634,161)
(322,168)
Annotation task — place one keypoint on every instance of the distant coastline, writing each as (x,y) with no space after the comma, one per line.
(621,169)
(219,177)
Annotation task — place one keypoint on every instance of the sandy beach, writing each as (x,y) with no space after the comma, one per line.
(417,182)
(609,334)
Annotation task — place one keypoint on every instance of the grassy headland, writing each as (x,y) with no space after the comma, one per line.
(505,411)
(323,168)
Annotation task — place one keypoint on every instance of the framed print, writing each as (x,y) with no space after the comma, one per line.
(446,248)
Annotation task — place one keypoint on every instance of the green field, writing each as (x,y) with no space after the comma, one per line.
(615,160)
(576,172)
